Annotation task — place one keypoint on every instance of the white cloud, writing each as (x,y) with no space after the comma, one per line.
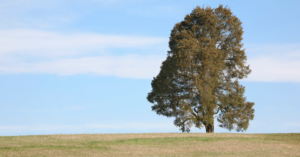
(274,63)
(282,50)
(44,43)
(34,14)
(274,69)
(129,66)
(59,13)
(31,51)
(293,124)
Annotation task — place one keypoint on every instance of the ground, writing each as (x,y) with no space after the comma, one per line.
(152,144)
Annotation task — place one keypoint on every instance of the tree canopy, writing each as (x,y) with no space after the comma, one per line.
(199,78)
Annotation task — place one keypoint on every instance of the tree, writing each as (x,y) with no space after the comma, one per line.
(199,78)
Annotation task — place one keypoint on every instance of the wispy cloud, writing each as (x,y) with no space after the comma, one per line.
(274,69)
(44,43)
(292,124)
(30,51)
(274,63)
(129,66)
(36,14)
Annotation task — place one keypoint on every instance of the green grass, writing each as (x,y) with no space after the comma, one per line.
(170,144)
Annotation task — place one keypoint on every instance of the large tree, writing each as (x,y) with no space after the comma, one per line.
(199,78)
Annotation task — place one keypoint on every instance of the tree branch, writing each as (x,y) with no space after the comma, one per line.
(218,110)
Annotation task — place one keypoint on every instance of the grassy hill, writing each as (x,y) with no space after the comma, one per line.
(152,144)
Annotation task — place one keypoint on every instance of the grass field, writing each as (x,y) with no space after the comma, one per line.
(153,144)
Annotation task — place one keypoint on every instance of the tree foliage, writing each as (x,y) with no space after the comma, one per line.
(200,76)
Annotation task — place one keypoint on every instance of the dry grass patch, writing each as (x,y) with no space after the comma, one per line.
(154,144)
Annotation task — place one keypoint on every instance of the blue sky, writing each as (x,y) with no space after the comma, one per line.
(72,67)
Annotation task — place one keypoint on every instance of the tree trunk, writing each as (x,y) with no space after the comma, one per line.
(210,128)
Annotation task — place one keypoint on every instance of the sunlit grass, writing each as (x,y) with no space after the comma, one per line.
(153,144)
